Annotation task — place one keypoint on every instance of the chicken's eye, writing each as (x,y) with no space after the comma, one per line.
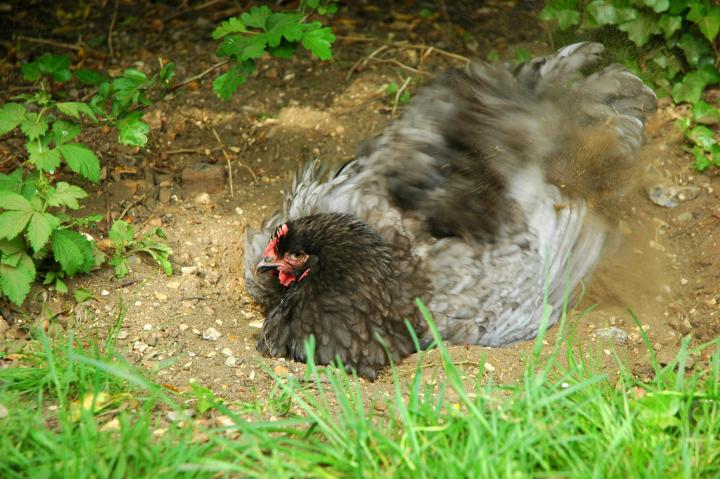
(295,256)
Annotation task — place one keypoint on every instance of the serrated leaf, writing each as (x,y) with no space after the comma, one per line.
(703,137)
(89,77)
(42,156)
(13,201)
(74,108)
(11,115)
(65,194)
(56,65)
(121,232)
(13,222)
(82,160)
(15,281)
(39,229)
(257,16)
(318,40)
(12,182)
(120,264)
(64,131)
(231,25)
(707,19)
(242,48)
(226,84)
(128,87)
(562,11)
(72,250)
(33,125)
(284,50)
(641,29)
(284,25)
(132,130)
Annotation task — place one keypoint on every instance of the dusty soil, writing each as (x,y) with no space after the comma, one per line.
(292,111)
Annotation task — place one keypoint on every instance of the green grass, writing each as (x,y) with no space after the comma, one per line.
(562,419)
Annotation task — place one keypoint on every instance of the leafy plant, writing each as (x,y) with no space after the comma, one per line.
(672,46)
(122,236)
(36,233)
(259,30)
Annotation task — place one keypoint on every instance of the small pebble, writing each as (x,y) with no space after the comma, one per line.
(211,334)
(147,327)
(227,352)
(183,326)
(230,361)
(104,292)
(161,296)
(122,334)
(684,281)
(138,303)
(189,270)
(616,334)
(175,416)
(489,367)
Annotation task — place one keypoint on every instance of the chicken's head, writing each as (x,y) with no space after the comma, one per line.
(284,258)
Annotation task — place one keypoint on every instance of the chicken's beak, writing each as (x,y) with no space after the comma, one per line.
(268,263)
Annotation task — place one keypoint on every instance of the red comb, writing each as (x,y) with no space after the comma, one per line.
(271,248)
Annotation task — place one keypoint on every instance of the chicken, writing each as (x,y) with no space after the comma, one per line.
(478,200)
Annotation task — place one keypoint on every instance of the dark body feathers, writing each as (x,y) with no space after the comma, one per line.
(476,201)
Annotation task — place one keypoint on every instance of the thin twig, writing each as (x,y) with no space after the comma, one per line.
(53,43)
(127,208)
(364,60)
(397,95)
(229,165)
(410,46)
(112,27)
(198,76)
(395,62)
(193,9)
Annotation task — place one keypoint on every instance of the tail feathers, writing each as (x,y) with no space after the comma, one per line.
(560,68)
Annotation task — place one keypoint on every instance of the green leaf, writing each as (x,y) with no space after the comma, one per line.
(257,16)
(231,25)
(72,250)
(242,48)
(392,88)
(670,24)
(30,71)
(659,409)
(42,156)
(703,137)
(702,162)
(133,131)
(34,126)
(64,131)
(119,262)
(60,286)
(603,12)
(284,25)
(691,87)
(695,48)
(39,229)
(56,65)
(89,77)
(12,182)
(318,40)
(167,72)
(205,398)
(705,114)
(286,49)
(565,12)
(708,20)
(129,87)
(74,108)
(11,115)
(83,294)
(82,160)
(65,195)
(121,233)
(15,281)
(14,201)
(658,6)
(226,84)
(641,29)
(13,222)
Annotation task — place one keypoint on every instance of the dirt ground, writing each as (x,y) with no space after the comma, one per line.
(292,111)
